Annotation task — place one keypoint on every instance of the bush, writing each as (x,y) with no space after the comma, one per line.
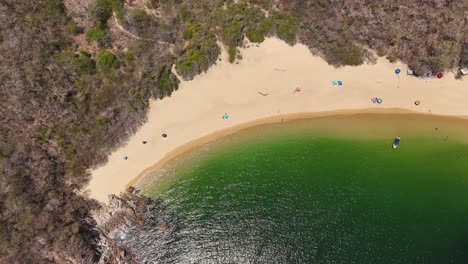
(78,84)
(2,156)
(128,56)
(200,54)
(420,68)
(285,26)
(54,7)
(64,58)
(259,26)
(166,82)
(117,5)
(189,31)
(236,17)
(381,52)
(98,34)
(140,22)
(439,63)
(256,33)
(120,14)
(232,51)
(73,28)
(392,57)
(464,55)
(106,60)
(101,11)
(145,25)
(102,121)
(345,54)
(140,17)
(195,56)
(185,14)
(232,35)
(197,60)
(86,63)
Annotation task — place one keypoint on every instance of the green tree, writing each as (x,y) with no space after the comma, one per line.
(106,60)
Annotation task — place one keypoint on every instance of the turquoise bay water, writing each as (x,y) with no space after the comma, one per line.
(324,190)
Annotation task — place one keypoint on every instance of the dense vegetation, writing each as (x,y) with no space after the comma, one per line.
(76,78)
(62,109)
(430,36)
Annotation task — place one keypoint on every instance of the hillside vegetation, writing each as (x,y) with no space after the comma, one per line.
(76,78)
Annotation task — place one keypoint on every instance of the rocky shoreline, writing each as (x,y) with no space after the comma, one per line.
(130,227)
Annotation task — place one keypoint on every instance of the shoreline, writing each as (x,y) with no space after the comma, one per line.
(194,112)
(213,136)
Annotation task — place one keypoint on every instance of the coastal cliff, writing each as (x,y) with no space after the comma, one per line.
(128,227)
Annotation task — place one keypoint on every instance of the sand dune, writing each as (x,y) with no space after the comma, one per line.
(261,89)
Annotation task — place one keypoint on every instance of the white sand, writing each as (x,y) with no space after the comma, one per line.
(196,109)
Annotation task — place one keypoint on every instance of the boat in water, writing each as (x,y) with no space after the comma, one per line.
(396,142)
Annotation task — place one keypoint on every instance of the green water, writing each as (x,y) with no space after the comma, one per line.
(326,190)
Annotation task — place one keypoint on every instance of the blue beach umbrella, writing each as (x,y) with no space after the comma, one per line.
(397,71)
(340,83)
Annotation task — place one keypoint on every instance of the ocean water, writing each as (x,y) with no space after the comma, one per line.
(322,190)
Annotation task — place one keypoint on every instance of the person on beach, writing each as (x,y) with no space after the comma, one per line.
(298,89)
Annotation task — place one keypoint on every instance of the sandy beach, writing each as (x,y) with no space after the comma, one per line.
(261,89)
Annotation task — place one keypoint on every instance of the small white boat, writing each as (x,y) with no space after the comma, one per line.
(396,142)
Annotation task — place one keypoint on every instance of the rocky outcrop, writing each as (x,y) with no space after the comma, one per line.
(129,223)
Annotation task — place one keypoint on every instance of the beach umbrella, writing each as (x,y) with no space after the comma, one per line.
(340,83)
(397,71)
(440,75)
(144,142)
(125,158)
(164,136)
